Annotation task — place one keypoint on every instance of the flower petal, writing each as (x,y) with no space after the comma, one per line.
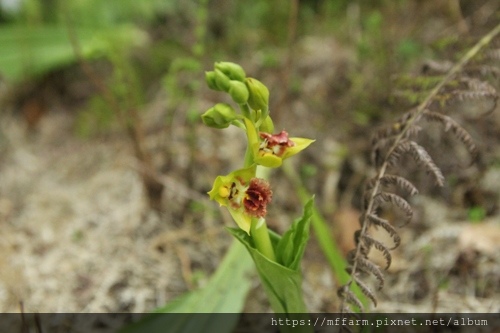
(300,144)
(242,219)
(253,136)
(269,160)
(257,196)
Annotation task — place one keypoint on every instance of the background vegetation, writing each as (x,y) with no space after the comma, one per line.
(105,164)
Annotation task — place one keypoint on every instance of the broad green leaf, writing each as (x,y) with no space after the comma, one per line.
(27,50)
(33,50)
(292,245)
(225,293)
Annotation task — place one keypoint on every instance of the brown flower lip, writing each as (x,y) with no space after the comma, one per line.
(277,139)
(277,143)
(257,197)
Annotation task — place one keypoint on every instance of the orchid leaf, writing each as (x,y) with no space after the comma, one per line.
(292,245)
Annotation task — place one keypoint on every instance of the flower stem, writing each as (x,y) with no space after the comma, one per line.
(261,239)
(246,111)
(258,228)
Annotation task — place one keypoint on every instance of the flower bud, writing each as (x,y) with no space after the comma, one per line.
(210,79)
(259,96)
(238,91)
(221,80)
(232,70)
(267,125)
(219,116)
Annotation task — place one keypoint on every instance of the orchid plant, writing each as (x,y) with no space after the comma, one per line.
(246,195)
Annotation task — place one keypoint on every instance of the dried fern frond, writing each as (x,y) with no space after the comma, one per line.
(484,71)
(399,182)
(434,67)
(396,200)
(372,242)
(383,139)
(399,127)
(380,222)
(460,133)
(362,264)
(365,289)
(471,84)
(475,89)
(346,294)
(388,147)
(419,155)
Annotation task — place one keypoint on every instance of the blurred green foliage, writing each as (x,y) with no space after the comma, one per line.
(28,50)
(176,39)
(476,214)
(34,39)
(92,13)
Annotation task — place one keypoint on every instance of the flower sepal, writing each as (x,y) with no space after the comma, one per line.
(238,91)
(232,70)
(210,79)
(219,116)
(259,96)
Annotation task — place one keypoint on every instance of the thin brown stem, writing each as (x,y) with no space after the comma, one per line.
(288,67)
(129,119)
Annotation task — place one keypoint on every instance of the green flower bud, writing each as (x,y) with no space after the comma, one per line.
(267,125)
(232,70)
(219,116)
(210,79)
(221,80)
(259,96)
(238,91)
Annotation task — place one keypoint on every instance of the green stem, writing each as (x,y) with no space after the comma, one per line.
(246,111)
(261,239)
(239,124)
(258,228)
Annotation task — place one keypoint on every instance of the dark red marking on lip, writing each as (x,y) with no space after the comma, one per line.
(258,195)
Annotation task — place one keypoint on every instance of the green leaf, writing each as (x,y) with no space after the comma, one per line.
(322,232)
(34,50)
(282,285)
(292,245)
(225,293)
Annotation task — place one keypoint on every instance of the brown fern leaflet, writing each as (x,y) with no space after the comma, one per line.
(392,143)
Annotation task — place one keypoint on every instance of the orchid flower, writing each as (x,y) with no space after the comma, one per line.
(270,150)
(244,195)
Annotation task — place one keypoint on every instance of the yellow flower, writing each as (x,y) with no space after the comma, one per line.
(270,150)
(244,195)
